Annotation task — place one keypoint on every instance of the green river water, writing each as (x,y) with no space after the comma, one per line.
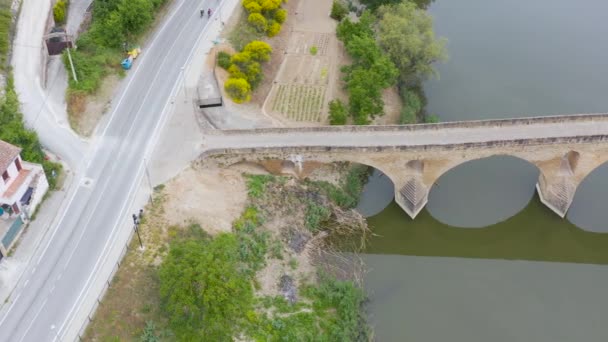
(486,261)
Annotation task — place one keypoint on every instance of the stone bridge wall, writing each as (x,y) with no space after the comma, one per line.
(563,162)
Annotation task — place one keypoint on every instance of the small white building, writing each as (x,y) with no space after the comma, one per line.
(22,186)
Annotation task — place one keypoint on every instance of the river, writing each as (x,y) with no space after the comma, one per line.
(485,261)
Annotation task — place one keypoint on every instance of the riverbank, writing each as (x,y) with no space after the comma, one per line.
(281,285)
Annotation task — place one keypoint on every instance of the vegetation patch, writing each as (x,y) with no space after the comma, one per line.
(13,131)
(299,102)
(201,288)
(6,20)
(265,16)
(116,26)
(246,71)
(394,44)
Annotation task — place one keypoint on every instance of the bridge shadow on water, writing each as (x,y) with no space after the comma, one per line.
(535,233)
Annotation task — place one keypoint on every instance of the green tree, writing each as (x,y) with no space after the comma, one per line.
(405,32)
(238,89)
(337,112)
(338,10)
(136,15)
(204,292)
(258,21)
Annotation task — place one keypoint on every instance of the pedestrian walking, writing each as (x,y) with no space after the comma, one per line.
(202,13)
(134,219)
(209,13)
(141,213)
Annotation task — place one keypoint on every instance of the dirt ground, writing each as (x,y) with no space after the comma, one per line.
(212,197)
(86,115)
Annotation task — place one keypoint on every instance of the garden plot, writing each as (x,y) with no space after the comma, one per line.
(301,86)
(299,102)
(301,42)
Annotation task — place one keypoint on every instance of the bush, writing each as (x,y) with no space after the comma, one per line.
(411,107)
(223,59)
(313,50)
(280,15)
(270,5)
(258,21)
(253,7)
(315,215)
(59,10)
(238,89)
(337,112)
(258,50)
(273,29)
(205,293)
(431,118)
(338,10)
(13,131)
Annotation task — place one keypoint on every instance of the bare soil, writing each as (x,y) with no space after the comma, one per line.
(86,111)
(212,197)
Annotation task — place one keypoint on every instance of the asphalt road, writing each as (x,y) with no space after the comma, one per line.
(55,281)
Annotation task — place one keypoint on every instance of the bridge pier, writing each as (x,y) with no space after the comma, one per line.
(412,197)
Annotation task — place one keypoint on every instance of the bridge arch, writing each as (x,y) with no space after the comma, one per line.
(483,191)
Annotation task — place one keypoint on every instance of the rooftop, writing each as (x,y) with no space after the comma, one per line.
(8,153)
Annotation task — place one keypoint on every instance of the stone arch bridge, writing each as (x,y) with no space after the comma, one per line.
(564,148)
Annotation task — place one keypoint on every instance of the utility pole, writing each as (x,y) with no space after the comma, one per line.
(136,228)
(70,58)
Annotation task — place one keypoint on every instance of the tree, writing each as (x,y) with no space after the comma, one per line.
(136,15)
(405,32)
(338,10)
(238,89)
(258,50)
(258,21)
(347,29)
(337,112)
(203,289)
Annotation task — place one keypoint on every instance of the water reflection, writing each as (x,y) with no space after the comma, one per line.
(589,208)
(377,194)
(502,186)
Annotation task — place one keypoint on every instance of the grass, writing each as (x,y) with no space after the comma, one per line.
(334,315)
(243,32)
(256,184)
